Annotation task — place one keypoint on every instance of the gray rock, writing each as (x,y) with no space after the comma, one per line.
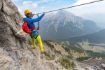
(103,66)
(14,51)
(0,4)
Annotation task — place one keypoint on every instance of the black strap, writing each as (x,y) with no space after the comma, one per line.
(38,23)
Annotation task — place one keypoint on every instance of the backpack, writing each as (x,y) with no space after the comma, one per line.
(25,28)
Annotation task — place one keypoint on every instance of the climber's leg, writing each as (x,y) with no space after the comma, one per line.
(40,43)
(33,42)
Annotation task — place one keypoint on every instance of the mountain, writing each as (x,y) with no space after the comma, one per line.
(98,17)
(96,38)
(63,25)
(16,52)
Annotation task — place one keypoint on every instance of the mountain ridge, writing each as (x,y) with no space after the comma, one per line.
(63,25)
(97,37)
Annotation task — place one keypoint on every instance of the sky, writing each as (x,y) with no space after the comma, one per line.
(95,12)
(42,5)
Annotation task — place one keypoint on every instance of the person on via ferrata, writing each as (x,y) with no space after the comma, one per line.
(30,28)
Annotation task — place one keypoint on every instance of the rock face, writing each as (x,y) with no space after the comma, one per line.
(14,54)
(17,54)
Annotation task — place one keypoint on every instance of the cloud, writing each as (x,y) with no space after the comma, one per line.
(15,1)
(30,4)
(33,6)
(27,5)
(91,12)
(88,9)
(83,1)
(44,1)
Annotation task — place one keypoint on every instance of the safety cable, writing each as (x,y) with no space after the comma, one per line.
(72,6)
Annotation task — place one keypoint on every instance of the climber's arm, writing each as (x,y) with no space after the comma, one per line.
(38,18)
(32,20)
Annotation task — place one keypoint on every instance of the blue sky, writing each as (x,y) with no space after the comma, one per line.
(91,12)
(42,5)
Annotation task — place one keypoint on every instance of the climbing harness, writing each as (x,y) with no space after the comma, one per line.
(34,34)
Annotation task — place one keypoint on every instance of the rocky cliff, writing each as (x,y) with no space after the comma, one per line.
(14,51)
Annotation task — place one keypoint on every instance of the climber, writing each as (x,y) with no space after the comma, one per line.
(32,29)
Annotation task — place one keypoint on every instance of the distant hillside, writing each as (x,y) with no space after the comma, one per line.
(64,25)
(98,37)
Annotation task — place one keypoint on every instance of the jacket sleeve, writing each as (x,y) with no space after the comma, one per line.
(33,19)
(38,18)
